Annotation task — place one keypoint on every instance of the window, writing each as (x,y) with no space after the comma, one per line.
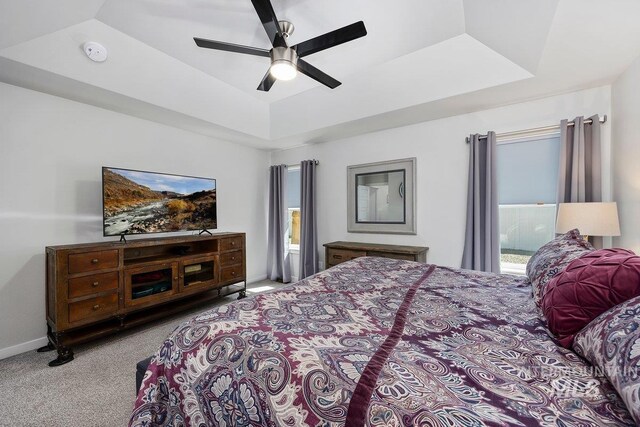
(293,200)
(527,182)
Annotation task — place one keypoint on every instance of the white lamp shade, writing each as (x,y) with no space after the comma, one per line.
(592,219)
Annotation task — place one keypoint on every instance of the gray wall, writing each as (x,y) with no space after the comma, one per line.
(51,152)
(442,158)
(626,155)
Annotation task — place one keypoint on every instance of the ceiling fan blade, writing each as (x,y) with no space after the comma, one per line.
(309,70)
(330,39)
(267,16)
(267,81)
(230,47)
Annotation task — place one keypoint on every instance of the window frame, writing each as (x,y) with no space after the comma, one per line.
(292,248)
(523,138)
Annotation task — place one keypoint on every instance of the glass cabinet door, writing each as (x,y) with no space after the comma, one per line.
(198,272)
(154,282)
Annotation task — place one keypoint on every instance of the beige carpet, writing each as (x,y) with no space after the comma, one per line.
(95,389)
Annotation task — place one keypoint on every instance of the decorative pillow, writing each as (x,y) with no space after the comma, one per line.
(589,286)
(612,344)
(552,258)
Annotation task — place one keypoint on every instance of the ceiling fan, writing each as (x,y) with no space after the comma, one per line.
(287,60)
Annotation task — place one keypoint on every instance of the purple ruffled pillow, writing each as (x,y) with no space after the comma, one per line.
(552,258)
(589,286)
(611,343)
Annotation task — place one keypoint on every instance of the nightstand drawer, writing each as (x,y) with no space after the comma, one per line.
(336,256)
(230,243)
(93,284)
(92,261)
(406,257)
(231,258)
(93,308)
(231,273)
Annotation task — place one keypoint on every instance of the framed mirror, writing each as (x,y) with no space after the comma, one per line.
(381,197)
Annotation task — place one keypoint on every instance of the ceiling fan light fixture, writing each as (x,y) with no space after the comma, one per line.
(284,63)
(283,70)
(287,61)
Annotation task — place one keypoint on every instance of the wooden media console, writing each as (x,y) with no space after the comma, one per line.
(95,289)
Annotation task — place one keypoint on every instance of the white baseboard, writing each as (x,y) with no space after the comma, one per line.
(23,347)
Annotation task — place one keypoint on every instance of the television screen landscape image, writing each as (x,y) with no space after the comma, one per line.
(138,202)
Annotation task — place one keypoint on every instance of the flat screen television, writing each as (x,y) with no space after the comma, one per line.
(139,202)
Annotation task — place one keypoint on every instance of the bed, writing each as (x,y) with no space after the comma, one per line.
(376,342)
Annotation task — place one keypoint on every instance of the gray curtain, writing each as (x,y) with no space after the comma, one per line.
(278,267)
(580,172)
(308,219)
(482,237)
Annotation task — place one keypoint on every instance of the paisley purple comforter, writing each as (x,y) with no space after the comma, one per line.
(375,342)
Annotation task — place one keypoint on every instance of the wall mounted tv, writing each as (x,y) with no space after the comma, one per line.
(138,202)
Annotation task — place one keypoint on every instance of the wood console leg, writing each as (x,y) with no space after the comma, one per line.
(243,293)
(48,347)
(65,355)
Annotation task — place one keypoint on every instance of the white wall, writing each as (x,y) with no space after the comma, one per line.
(51,153)
(442,157)
(626,154)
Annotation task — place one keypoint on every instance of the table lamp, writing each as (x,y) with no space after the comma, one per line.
(592,219)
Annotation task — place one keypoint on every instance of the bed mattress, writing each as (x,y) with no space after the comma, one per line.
(375,342)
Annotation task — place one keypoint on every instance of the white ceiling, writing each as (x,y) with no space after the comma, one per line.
(418,54)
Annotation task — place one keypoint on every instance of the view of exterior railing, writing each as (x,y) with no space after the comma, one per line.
(523,230)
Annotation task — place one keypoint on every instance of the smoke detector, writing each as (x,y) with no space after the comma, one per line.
(95,51)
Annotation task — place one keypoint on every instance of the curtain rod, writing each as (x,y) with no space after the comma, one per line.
(296,165)
(603,119)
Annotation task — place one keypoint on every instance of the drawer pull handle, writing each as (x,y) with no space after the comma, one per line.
(94,261)
(233,243)
(233,258)
(337,257)
(233,273)
(95,284)
(97,306)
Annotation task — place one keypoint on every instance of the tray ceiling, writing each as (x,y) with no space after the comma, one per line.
(418,53)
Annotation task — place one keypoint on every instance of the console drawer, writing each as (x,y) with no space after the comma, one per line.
(336,256)
(93,284)
(231,258)
(230,243)
(93,308)
(231,273)
(92,261)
